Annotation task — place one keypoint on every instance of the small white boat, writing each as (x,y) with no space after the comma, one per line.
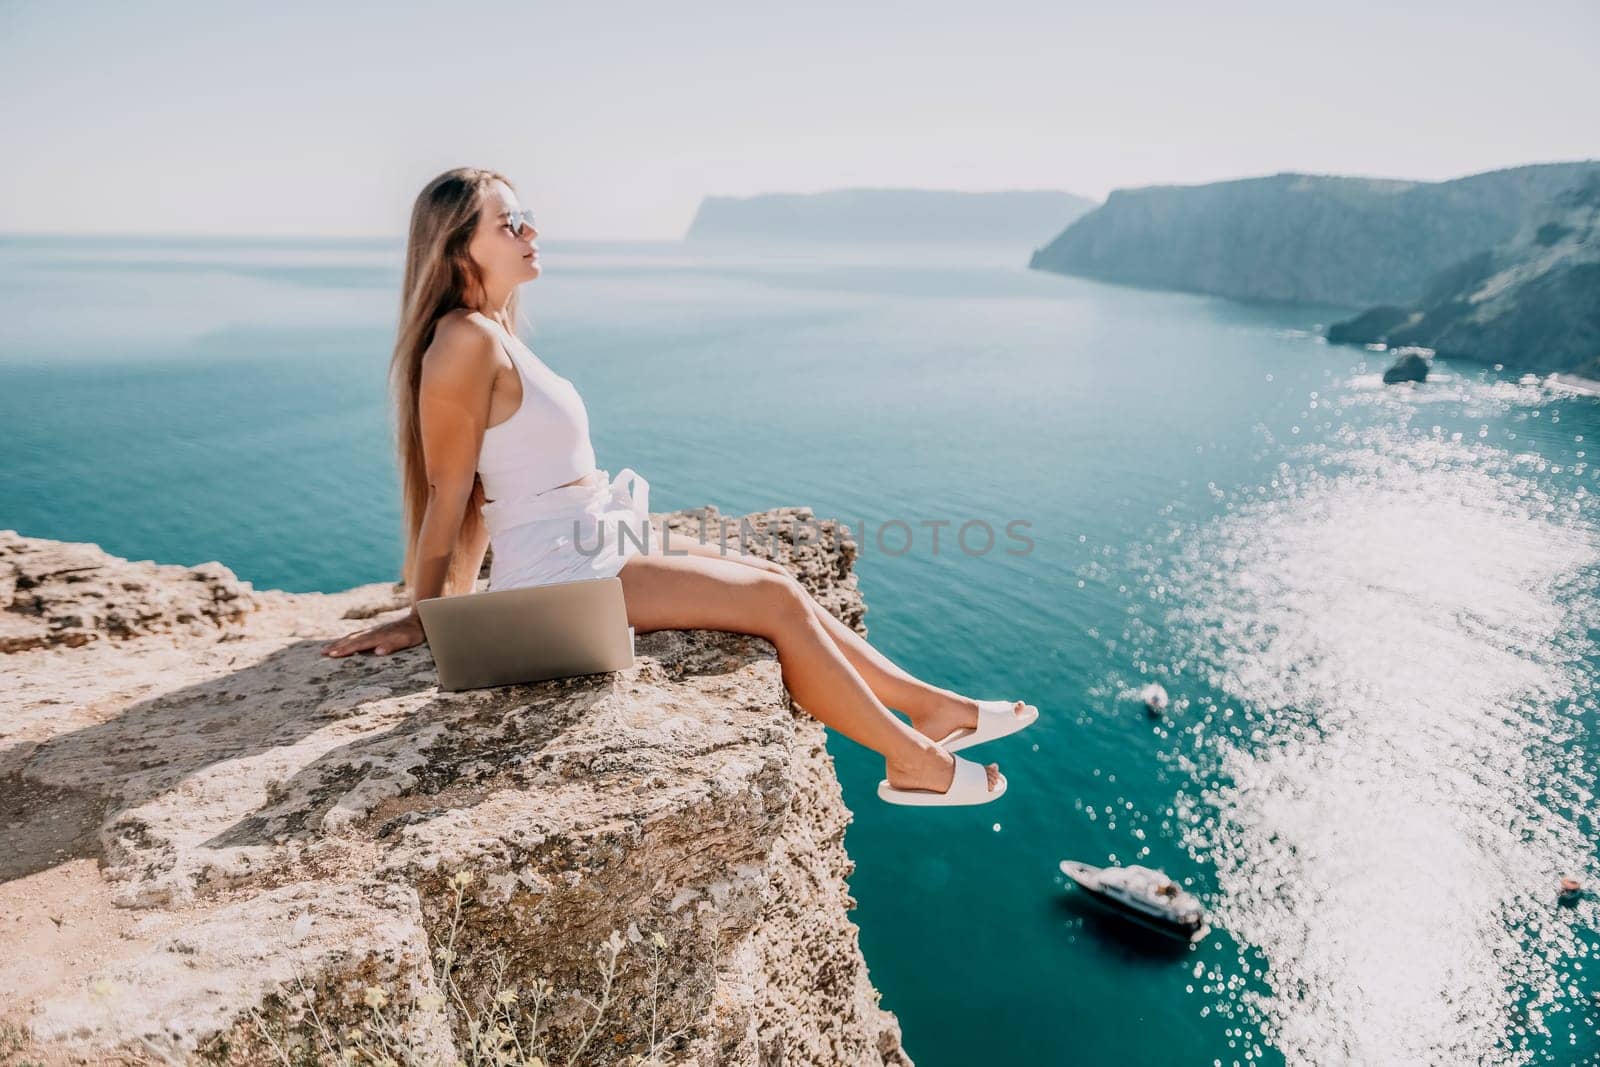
(1143,894)
(1154,697)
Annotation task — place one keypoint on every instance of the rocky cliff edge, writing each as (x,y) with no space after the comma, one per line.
(207,829)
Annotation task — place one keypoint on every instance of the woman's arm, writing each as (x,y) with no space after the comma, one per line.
(453,409)
(472,546)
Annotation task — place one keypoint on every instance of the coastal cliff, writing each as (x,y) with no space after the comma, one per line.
(1302,237)
(214,840)
(1533,301)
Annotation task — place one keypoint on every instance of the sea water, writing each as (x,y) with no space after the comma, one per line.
(1375,608)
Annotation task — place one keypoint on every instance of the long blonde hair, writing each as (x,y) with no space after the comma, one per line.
(439,277)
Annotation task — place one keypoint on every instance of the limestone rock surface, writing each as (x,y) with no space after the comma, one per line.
(204,822)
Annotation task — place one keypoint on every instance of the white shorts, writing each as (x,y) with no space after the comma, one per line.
(588,530)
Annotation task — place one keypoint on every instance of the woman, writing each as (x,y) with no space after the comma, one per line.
(495,446)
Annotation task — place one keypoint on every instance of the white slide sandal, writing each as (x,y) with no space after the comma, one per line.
(995,720)
(969,786)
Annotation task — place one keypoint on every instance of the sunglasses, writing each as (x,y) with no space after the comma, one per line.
(519,221)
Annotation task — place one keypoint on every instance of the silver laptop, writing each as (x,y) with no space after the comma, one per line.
(528,634)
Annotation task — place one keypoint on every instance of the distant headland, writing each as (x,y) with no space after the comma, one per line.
(1502,266)
(1302,237)
(888,216)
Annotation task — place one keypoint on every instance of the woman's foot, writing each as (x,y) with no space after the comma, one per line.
(950,712)
(933,769)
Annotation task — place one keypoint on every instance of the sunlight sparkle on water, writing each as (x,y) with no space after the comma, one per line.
(1401,624)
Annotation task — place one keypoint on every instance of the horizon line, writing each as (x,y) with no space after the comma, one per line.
(399,238)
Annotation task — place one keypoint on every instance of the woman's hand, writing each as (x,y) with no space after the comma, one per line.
(383,639)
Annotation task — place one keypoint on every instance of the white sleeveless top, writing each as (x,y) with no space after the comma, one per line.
(545,442)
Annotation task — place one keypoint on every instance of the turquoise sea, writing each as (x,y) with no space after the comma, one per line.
(1376,609)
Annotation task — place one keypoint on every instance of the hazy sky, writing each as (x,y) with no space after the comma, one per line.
(614,119)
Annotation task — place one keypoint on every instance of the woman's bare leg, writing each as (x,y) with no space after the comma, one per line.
(934,711)
(693,592)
